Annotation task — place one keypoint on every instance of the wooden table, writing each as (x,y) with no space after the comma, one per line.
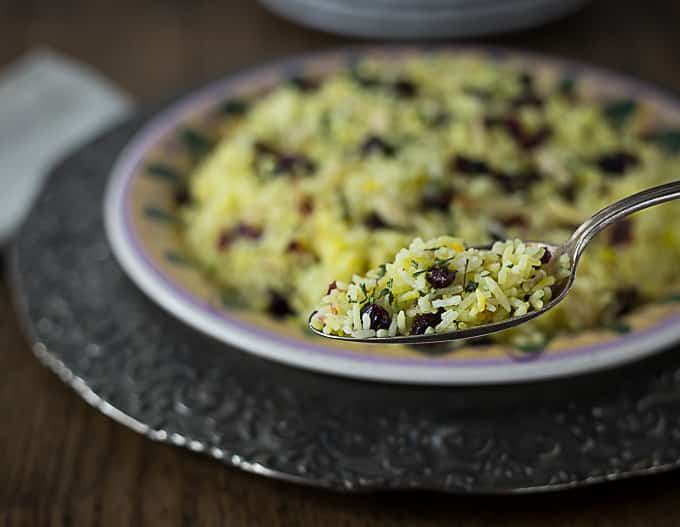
(62,463)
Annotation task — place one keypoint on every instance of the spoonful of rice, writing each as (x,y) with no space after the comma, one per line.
(439,290)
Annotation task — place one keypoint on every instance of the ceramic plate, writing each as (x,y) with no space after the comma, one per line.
(142,230)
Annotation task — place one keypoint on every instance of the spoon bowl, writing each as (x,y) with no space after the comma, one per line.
(573,248)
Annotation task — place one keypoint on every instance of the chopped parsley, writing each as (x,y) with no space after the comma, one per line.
(467,262)
(365,292)
(471,286)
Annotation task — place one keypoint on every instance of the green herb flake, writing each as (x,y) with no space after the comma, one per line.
(365,292)
(306,330)
(671,299)
(155,213)
(441,263)
(325,123)
(619,327)
(164,172)
(433,350)
(234,107)
(344,206)
(386,293)
(230,298)
(197,143)
(669,140)
(567,86)
(471,287)
(179,259)
(465,271)
(362,79)
(619,112)
(381,271)
(532,349)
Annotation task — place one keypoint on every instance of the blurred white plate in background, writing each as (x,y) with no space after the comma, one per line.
(421,19)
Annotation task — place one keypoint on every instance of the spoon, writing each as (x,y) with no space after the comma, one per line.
(573,248)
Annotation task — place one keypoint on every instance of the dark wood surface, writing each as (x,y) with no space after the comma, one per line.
(64,464)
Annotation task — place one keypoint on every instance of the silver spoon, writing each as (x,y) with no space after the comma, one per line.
(573,247)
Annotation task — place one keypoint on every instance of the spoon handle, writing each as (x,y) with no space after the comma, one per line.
(618,210)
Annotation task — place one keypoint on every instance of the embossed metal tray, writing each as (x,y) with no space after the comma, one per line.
(139,365)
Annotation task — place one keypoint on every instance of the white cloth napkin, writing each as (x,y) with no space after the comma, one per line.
(49,104)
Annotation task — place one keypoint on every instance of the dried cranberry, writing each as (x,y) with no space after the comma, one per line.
(380,318)
(262,148)
(374,221)
(514,127)
(617,163)
(440,277)
(516,220)
(516,182)
(405,88)
(284,163)
(306,206)
(538,138)
(626,299)
(296,247)
(547,255)
(331,286)
(422,322)
(376,145)
(523,138)
(621,233)
(245,230)
(437,199)
(467,165)
(290,164)
(242,230)
(568,192)
(182,195)
(278,305)
(305,84)
(224,240)
(307,165)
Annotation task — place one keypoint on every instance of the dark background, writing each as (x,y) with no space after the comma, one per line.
(62,463)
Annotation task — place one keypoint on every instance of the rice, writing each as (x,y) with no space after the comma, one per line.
(513,284)
(327,182)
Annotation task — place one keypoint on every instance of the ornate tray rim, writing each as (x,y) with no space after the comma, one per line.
(654,390)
